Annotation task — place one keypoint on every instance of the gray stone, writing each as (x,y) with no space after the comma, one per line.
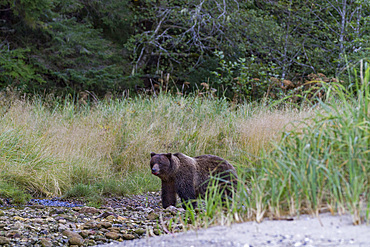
(91,242)
(153,216)
(128,236)
(13,234)
(140,231)
(4,240)
(157,231)
(74,237)
(86,233)
(112,235)
(89,210)
(104,224)
(74,240)
(45,242)
(90,225)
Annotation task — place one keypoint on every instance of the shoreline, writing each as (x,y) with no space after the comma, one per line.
(303,231)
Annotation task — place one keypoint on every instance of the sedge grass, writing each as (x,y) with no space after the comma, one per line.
(319,164)
(49,147)
(326,165)
(288,161)
(320,159)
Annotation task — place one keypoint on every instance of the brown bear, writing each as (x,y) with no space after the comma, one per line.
(188,177)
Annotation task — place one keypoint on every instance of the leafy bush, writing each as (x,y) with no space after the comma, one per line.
(243,79)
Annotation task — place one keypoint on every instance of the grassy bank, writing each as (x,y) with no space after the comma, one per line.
(64,147)
(326,164)
(323,165)
(289,161)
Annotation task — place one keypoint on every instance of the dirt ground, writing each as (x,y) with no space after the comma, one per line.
(327,230)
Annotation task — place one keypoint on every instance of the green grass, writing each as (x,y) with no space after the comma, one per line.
(321,165)
(325,164)
(8,190)
(50,147)
(289,161)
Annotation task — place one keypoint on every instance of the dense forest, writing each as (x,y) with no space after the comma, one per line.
(238,49)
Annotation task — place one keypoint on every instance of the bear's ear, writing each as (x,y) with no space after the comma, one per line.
(152,154)
(169,156)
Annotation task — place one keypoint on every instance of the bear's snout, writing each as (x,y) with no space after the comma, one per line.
(155,169)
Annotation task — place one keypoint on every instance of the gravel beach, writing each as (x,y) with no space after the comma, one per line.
(61,223)
(139,220)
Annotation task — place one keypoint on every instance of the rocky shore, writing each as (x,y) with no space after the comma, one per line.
(60,223)
(119,220)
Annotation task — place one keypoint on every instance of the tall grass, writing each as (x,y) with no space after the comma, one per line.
(289,161)
(325,164)
(322,164)
(56,147)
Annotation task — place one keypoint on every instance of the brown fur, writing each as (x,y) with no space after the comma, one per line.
(188,177)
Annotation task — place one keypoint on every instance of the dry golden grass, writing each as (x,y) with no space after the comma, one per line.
(105,146)
(265,127)
(61,146)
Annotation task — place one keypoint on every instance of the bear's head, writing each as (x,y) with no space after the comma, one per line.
(160,164)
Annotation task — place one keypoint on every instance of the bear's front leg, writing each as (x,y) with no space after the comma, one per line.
(168,194)
(186,192)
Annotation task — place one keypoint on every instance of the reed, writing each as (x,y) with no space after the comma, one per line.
(322,163)
(289,161)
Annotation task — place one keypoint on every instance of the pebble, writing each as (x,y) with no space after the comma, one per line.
(4,240)
(89,210)
(127,236)
(110,218)
(43,225)
(19,218)
(112,235)
(153,216)
(140,231)
(89,225)
(104,224)
(86,233)
(13,234)
(76,240)
(45,242)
